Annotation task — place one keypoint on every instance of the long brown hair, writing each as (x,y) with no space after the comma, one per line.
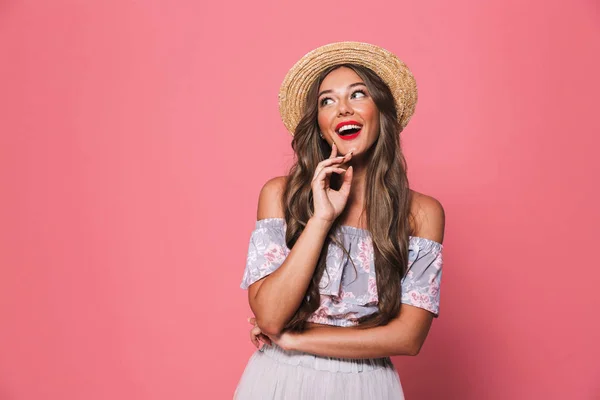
(387,199)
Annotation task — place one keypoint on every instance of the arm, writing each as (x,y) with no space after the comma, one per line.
(404,335)
(275,298)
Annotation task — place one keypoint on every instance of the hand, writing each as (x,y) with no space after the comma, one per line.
(329,203)
(285,340)
(256,334)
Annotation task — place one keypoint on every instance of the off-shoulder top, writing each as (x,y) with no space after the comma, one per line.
(348,294)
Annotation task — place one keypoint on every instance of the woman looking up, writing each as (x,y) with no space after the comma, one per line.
(345,262)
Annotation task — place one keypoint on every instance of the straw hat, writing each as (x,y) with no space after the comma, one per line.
(295,86)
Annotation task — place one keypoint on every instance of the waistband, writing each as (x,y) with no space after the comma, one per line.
(332,364)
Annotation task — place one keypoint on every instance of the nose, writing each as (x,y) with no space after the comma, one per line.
(344,108)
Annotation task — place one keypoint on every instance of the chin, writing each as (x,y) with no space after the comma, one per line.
(345,150)
(348,146)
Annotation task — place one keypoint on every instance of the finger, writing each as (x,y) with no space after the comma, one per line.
(254,340)
(347,157)
(328,162)
(333,150)
(327,169)
(332,157)
(325,172)
(256,330)
(347,182)
(252,320)
(265,339)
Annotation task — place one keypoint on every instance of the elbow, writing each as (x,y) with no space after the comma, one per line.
(411,348)
(414,350)
(269,328)
(265,320)
(271,331)
(270,322)
(416,346)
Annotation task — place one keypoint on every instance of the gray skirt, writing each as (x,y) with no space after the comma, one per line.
(273,373)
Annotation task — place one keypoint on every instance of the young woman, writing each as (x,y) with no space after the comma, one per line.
(344,266)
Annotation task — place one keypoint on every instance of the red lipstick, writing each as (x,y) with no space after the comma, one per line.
(350,136)
(337,128)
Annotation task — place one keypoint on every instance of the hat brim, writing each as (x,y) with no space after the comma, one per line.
(297,82)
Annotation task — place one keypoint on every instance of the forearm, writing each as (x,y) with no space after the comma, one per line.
(281,293)
(396,338)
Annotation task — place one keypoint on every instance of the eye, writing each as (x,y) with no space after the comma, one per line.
(358,94)
(324,101)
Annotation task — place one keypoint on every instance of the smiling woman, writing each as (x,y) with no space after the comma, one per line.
(344,266)
(345,112)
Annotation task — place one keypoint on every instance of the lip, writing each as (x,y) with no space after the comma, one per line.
(343,123)
(350,137)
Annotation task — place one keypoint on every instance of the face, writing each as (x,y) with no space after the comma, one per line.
(347,114)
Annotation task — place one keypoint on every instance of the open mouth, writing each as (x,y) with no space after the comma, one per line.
(348,130)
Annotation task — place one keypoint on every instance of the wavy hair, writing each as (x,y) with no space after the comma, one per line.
(387,199)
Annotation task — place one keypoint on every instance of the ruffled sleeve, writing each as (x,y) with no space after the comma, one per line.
(267,250)
(421,284)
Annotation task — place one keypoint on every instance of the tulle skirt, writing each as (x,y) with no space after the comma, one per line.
(273,373)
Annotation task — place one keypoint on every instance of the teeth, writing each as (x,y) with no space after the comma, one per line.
(346,127)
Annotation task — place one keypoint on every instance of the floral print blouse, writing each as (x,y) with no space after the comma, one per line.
(348,294)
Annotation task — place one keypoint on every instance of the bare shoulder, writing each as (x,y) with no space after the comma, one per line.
(270,203)
(429,217)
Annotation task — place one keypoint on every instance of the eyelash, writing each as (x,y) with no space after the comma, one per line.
(353,93)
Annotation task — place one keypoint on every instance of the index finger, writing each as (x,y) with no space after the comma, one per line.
(333,150)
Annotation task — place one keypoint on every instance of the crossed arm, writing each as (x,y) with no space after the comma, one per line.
(275,298)
(403,335)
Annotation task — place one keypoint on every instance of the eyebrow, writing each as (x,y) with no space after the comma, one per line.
(349,87)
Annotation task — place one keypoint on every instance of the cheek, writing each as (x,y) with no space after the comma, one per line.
(322,120)
(371,114)
(373,117)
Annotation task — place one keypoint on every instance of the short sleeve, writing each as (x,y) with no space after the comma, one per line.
(421,284)
(267,250)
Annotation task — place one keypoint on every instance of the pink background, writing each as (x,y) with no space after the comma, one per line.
(135,137)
